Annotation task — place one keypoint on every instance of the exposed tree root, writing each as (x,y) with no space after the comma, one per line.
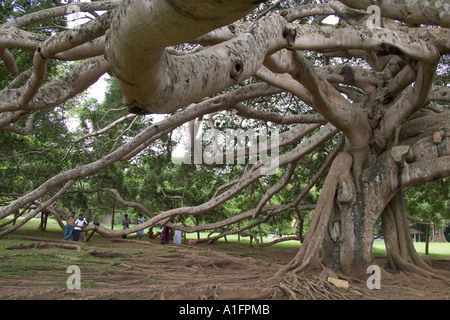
(42,245)
(313,286)
(297,280)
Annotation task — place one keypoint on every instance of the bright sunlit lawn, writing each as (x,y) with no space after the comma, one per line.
(436,249)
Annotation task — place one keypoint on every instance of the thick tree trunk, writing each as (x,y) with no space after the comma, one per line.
(338,178)
(346,214)
(437,235)
(341,223)
(347,246)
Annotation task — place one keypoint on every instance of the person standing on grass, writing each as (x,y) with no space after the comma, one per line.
(165,234)
(70,222)
(178,234)
(125,224)
(139,221)
(79,224)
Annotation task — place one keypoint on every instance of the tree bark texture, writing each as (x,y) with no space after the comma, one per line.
(152,80)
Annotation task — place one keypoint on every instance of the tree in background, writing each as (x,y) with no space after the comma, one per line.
(428,205)
(362,106)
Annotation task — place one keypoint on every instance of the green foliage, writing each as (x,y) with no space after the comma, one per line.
(26,162)
(429,203)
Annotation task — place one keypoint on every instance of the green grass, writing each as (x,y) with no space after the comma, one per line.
(234,238)
(233,243)
(435,249)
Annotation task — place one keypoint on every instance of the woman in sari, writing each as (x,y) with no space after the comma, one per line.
(165,234)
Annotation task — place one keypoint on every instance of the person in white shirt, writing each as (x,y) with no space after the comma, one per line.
(178,234)
(139,221)
(79,224)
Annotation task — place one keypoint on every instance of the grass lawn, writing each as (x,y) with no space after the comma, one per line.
(436,249)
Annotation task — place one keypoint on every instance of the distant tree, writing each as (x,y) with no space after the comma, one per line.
(429,205)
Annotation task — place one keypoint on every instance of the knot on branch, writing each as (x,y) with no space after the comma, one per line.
(344,199)
(39,50)
(402,153)
(290,34)
(346,196)
(440,141)
(237,69)
(348,74)
(386,49)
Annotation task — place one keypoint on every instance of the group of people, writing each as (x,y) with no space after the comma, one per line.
(73,226)
(165,234)
(126,224)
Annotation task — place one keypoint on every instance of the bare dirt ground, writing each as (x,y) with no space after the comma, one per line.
(148,270)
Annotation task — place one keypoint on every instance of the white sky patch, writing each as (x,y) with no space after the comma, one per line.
(98,89)
(331,20)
